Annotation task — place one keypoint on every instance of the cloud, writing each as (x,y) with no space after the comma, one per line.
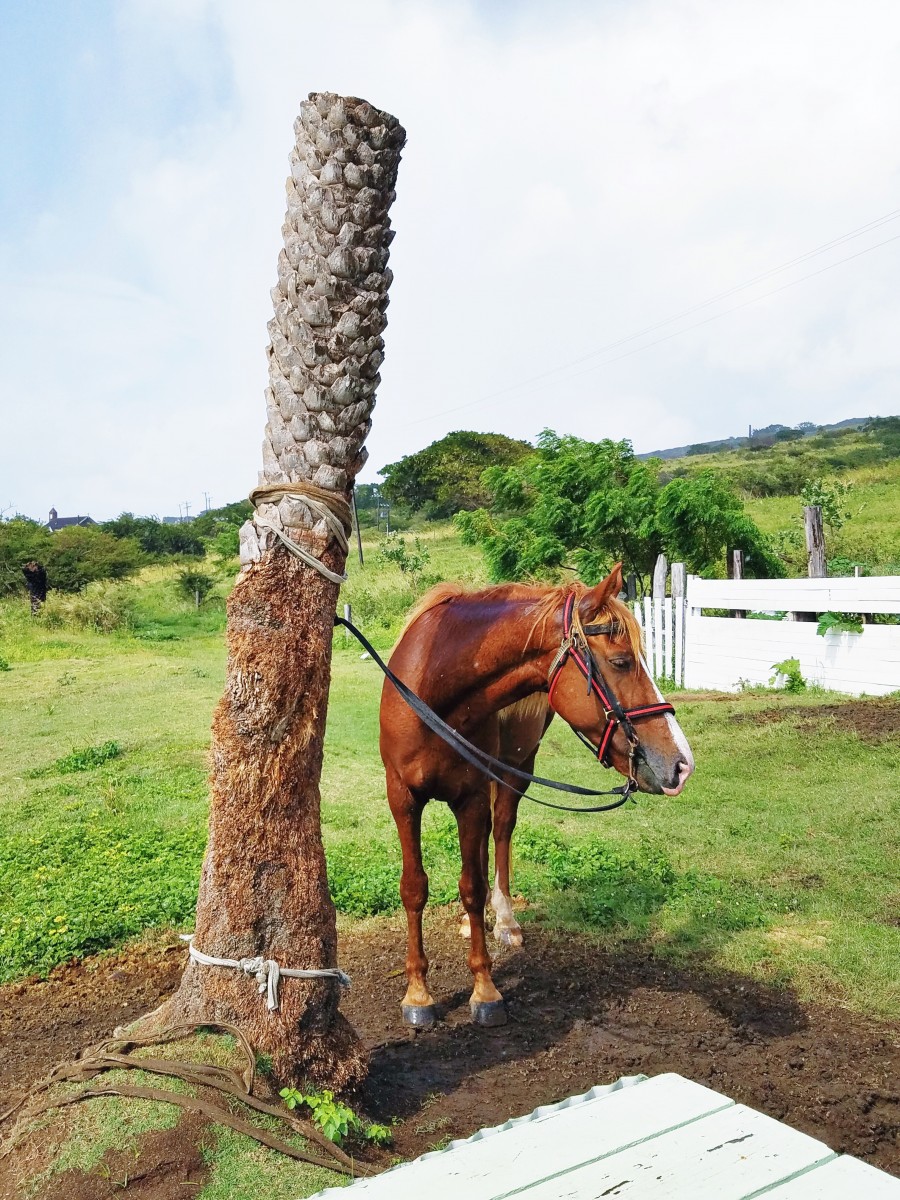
(572,175)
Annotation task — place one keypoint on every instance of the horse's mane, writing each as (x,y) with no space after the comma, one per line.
(547,600)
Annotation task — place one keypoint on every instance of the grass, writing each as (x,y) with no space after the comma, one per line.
(779,861)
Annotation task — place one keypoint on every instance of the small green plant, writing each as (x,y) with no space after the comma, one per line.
(264,1064)
(412,562)
(4,664)
(832,622)
(86,758)
(831,498)
(194,585)
(789,671)
(336,1120)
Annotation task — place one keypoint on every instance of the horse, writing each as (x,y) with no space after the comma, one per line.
(497,664)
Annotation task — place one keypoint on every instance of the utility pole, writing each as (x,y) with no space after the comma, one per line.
(187,511)
(206,501)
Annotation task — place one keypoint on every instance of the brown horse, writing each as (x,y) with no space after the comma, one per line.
(489,663)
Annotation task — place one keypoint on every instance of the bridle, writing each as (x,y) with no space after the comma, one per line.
(575,646)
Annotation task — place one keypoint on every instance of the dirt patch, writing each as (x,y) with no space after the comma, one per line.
(578,1017)
(873,721)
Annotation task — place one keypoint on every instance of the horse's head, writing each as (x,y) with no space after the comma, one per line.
(602,678)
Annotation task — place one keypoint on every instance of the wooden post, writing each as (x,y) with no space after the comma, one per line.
(659,577)
(356,523)
(815,541)
(679,591)
(347,617)
(631,587)
(737,572)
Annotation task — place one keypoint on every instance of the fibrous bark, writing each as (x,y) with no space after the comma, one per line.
(263,890)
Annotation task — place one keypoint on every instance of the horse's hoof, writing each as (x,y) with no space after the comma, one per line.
(420,1016)
(508,937)
(488,1012)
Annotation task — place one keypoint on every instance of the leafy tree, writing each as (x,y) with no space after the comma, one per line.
(208,524)
(446,476)
(831,498)
(21,540)
(155,537)
(79,554)
(194,585)
(584,505)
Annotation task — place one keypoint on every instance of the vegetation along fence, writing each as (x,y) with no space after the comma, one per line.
(821,631)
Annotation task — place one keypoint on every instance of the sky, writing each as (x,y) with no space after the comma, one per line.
(662,220)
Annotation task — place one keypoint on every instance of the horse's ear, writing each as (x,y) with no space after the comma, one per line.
(596,597)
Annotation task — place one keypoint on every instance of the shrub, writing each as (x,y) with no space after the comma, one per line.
(194,585)
(81,554)
(103,606)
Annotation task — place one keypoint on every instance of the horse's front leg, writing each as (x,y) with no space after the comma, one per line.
(473,817)
(507,930)
(418,1007)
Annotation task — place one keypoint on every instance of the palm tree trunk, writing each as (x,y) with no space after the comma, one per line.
(264,890)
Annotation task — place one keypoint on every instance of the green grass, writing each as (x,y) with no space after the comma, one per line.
(780,860)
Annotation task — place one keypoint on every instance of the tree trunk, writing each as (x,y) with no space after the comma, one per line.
(263,890)
(36,582)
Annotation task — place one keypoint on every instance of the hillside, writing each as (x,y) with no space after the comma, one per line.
(771,478)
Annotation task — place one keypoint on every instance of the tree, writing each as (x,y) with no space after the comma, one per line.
(79,554)
(263,890)
(21,540)
(585,505)
(155,537)
(229,516)
(446,476)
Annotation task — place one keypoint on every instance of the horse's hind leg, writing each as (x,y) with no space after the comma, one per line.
(473,817)
(507,930)
(418,1007)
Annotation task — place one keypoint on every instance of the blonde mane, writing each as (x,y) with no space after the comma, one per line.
(548,600)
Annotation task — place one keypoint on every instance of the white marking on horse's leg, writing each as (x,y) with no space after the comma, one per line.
(465,928)
(507,930)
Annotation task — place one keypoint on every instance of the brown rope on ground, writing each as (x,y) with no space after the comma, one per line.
(97,1059)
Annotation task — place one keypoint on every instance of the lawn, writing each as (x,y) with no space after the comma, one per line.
(780,859)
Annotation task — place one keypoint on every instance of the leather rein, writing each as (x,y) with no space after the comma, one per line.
(574,647)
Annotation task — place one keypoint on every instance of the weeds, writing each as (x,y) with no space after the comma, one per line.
(336,1120)
(84,759)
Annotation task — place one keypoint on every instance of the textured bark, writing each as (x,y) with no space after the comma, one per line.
(264,890)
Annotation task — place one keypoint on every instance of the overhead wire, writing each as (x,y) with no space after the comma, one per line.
(525,385)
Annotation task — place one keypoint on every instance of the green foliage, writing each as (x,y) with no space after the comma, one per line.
(88,884)
(226,544)
(363,884)
(21,541)
(81,554)
(194,585)
(588,504)
(412,561)
(155,537)
(830,497)
(789,671)
(446,476)
(230,516)
(85,758)
(4,664)
(832,622)
(336,1120)
(103,607)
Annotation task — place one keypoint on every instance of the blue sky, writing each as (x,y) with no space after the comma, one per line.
(574,174)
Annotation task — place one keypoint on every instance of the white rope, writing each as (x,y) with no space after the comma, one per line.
(265,971)
(322,511)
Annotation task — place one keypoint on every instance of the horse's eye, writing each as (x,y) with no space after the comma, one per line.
(620,663)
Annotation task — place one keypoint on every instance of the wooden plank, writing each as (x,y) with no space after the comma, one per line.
(660,570)
(815,540)
(839,1179)
(875,594)
(668,650)
(680,609)
(658,661)
(729,1155)
(524,1155)
(649,636)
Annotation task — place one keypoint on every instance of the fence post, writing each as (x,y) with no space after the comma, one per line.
(347,617)
(659,576)
(737,572)
(631,587)
(356,523)
(815,540)
(679,588)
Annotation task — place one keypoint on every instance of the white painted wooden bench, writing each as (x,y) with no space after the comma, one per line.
(639,1138)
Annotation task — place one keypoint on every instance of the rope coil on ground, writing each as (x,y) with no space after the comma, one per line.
(326,506)
(266,971)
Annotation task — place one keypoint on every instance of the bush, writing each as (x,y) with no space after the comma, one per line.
(20,541)
(103,606)
(82,554)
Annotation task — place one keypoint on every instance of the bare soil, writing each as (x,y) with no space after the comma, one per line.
(873,721)
(578,1016)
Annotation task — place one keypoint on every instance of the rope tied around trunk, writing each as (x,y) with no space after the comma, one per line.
(325,505)
(266,971)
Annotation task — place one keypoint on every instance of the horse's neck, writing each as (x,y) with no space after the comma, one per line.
(509,660)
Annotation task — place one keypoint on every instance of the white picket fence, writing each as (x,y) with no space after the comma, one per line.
(726,653)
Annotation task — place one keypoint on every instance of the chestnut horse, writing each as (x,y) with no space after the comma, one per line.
(490,663)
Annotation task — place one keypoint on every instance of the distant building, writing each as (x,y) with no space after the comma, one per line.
(58,522)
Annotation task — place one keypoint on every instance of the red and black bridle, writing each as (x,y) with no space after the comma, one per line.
(574,646)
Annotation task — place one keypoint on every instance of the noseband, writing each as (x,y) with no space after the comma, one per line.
(575,646)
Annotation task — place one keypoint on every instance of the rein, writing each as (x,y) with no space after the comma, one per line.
(575,646)
(480,759)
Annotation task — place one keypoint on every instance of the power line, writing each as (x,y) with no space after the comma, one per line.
(555,371)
